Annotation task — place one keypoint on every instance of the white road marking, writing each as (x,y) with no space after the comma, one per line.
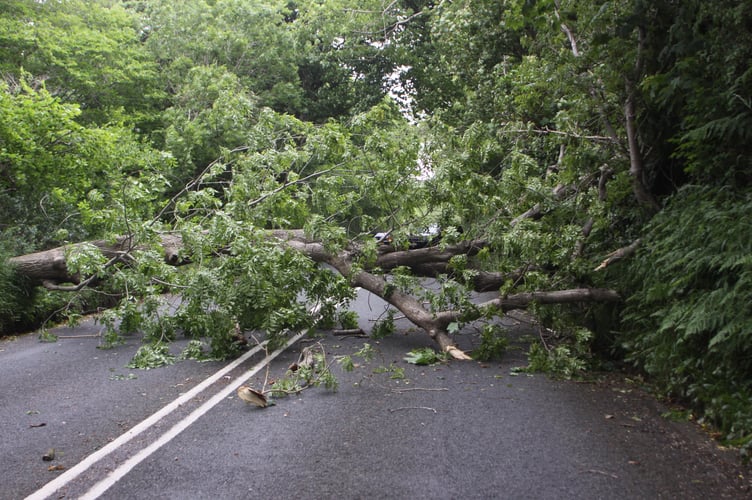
(50,488)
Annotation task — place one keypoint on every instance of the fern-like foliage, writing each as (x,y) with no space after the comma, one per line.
(689,320)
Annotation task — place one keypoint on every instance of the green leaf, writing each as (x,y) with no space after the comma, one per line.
(424,356)
(151,356)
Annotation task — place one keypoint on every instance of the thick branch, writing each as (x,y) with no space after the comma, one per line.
(567,31)
(525,300)
(606,172)
(51,265)
(586,229)
(489,282)
(391,258)
(408,305)
(636,169)
(571,296)
(534,213)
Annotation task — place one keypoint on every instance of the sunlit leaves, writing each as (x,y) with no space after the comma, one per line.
(87,52)
(212,111)
(75,173)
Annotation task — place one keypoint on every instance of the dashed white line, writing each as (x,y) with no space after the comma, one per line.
(50,488)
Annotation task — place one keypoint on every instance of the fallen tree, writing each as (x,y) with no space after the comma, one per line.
(51,269)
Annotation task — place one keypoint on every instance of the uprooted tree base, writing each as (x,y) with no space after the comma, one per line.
(50,269)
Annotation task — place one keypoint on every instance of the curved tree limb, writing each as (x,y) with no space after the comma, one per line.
(566,30)
(391,258)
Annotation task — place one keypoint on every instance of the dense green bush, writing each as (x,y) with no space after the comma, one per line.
(689,322)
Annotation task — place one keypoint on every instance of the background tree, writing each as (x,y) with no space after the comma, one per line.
(87,53)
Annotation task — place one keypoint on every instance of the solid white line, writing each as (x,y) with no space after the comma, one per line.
(75,471)
(105,484)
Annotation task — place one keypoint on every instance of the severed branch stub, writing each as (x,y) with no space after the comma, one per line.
(457,353)
(619,254)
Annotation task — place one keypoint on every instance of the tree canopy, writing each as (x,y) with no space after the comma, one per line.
(588,160)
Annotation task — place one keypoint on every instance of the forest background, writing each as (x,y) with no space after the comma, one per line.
(600,147)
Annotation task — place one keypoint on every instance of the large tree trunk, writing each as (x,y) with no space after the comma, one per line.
(49,268)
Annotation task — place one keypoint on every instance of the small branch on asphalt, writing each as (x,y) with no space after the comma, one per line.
(392,410)
(399,391)
(603,473)
(354,332)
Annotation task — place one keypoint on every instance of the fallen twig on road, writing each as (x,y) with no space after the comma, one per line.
(355,332)
(392,410)
(603,473)
(418,389)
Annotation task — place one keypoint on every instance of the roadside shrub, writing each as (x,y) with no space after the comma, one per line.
(11,300)
(688,321)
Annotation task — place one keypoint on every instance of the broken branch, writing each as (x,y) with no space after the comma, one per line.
(619,254)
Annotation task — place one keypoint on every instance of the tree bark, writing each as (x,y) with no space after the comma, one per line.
(636,168)
(636,165)
(51,266)
(526,299)
(433,255)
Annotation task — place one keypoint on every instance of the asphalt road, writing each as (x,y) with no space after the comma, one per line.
(392,430)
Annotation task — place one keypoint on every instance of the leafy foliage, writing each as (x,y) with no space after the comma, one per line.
(87,53)
(151,356)
(425,356)
(20,302)
(385,326)
(567,358)
(493,343)
(49,161)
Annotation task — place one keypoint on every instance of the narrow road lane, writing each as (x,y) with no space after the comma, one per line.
(447,431)
(393,430)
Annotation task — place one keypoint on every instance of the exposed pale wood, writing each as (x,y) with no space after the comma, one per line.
(619,254)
